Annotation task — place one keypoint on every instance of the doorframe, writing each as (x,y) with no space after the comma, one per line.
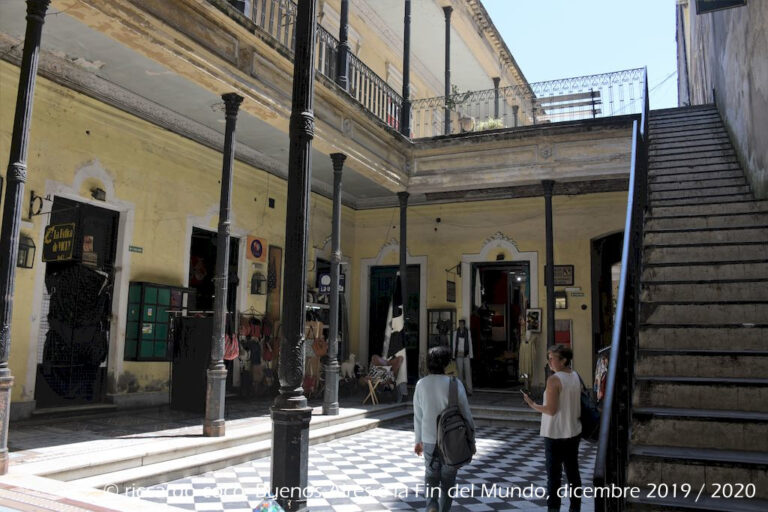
(365,290)
(92,171)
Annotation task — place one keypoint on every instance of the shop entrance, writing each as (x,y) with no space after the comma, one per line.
(202,269)
(382,288)
(606,267)
(501,293)
(77,304)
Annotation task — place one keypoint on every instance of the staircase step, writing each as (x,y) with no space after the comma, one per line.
(655,120)
(695,138)
(715,199)
(660,165)
(686,428)
(703,337)
(725,253)
(700,168)
(704,192)
(727,394)
(686,313)
(697,467)
(707,235)
(691,143)
(514,417)
(698,154)
(720,208)
(151,473)
(696,177)
(705,273)
(703,363)
(689,110)
(717,291)
(694,184)
(738,220)
(693,503)
(703,132)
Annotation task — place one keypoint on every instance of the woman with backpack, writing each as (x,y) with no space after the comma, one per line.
(430,399)
(560,425)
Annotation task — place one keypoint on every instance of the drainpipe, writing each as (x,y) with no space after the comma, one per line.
(12,207)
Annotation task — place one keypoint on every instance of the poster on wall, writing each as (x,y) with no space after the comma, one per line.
(564,332)
(255,251)
(274,282)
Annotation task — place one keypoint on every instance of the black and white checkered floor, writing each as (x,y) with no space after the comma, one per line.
(377,470)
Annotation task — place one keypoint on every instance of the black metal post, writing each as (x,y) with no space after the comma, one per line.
(12,207)
(290,414)
(342,62)
(405,114)
(515,108)
(331,393)
(496,81)
(403,198)
(549,275)
(447,10)
(215,391)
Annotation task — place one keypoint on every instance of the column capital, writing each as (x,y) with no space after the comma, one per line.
(496,81)
(403,198)
(232,103)
(37,9)
(549,186)
(447,10)
(338,161)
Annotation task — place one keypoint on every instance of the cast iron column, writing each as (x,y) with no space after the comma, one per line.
(496,81)
(549,275)
(403,198)
(342,61)
(331,394)
(405,114)
(447,10)
(215,391)
(290,414)
(14,195)
(515,108)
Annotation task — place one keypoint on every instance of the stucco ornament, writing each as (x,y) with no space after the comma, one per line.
(347,127)
(499,237)
(545,151)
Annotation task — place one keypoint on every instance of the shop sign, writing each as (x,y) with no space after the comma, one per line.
(135,248)
(705,6)
(325,283)
(59,241)
(256,249)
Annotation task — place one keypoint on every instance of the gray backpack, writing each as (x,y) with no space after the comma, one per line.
(455,438)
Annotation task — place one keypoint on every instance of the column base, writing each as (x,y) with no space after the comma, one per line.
(214,424)
(290,457)
(6,383)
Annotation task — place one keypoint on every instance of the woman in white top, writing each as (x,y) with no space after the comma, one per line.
(560,425)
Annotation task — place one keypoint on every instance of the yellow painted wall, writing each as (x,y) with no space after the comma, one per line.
(165,182)
(465,226)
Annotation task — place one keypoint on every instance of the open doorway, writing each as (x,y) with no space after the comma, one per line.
(501,294)
(202,269)
(77,304)
(606,268)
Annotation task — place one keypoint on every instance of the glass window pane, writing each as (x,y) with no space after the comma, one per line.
(134,293)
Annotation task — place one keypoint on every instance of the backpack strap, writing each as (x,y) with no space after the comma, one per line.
(583,386)
(453,393)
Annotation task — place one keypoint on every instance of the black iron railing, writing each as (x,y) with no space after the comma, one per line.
(613,447)
(567,99)
(277,19)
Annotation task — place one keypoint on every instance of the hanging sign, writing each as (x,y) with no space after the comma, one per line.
(256,249)
(705,6)
(59,242)
(325,283)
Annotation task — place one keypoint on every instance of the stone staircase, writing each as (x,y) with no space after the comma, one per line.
(700,404)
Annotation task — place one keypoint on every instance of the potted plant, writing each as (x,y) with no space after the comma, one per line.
(489,124)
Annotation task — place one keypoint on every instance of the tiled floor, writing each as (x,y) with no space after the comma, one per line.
(377,470)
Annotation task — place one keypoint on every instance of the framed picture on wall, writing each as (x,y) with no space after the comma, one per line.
(533,319)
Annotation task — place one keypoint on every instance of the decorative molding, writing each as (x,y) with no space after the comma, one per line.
(500,237)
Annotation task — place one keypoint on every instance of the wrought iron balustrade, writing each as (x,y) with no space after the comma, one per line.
(553,101)
(277,19)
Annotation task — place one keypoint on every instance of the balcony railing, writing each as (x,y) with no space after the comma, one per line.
(277,19)
(567,99)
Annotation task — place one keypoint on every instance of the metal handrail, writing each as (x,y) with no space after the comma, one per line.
(613,445)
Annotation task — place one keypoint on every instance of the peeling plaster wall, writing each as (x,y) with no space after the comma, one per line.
(728,64)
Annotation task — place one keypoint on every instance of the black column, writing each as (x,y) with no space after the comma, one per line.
(12,207)
(290,414)
(342,63)
(496,81)
(215,392)
(515,108)
(405,114)
(403,198)
(447,10)
(331,394)
(549,275)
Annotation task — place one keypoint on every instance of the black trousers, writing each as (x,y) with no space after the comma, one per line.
(559,453)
